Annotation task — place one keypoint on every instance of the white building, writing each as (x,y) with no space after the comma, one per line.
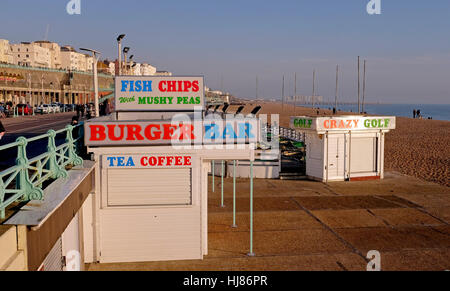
(112,68)
(163,73)
(31,55)
(136,70)
(147,70)
(55,52)
(88,63)
(73,60)
(5,52)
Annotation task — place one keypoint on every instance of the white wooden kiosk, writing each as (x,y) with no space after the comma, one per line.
(151,188)
(343,148)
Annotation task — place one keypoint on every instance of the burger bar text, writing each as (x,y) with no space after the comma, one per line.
(124,133)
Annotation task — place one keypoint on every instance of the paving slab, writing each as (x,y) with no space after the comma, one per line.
(389,239)
(416,260)
(348,218)
(406,217)
(442,213)
(263,221)
(428,200)
(344,202)
(259,204)
(331,262)
(270,243)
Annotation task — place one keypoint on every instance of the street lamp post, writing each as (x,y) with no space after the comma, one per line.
(119,41)
(125,53)
(96,56)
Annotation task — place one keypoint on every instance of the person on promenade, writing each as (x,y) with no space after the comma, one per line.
(2,130)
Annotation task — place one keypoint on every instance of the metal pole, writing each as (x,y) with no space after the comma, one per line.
(364,87)
(295,93)
(336,95)
(97,113)
(359,90)
(234,194)
(213,176)
(251,253)
(120,58)
(282,94)
(223,167)
(314,88)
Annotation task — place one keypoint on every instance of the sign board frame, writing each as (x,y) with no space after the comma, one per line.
(187,93)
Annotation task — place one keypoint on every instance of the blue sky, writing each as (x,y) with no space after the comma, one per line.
(407,47)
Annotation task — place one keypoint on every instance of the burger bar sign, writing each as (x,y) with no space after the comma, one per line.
(159,93)
(215,132)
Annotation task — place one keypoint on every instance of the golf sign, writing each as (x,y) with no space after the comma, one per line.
(160,93)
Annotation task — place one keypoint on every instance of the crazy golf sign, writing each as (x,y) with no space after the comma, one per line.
(160,93)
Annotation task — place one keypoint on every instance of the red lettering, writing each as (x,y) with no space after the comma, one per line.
(161,86)
(195,86)
(187,161)
(160,161)
(169,131)
(356,123)
(178,161)
(143,161)
(342,124)
(134,132)
(97,133)
(152,161)
(187,132)
(111,132)
(152,135)
(333,124)
(326,124)
(187,86)
(172,86)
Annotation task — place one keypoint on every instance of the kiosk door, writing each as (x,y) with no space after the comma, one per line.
(336,157)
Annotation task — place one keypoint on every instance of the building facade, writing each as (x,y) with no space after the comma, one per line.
(31,55)
(55,53)
(147,70)
(5,52)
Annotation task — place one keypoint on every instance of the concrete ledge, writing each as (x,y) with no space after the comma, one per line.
(46,220)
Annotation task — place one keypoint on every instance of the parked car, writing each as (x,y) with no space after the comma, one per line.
(56,107)
(44,109)
(24,109)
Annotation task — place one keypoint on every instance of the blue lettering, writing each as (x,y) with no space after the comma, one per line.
(138,86)
(120,161)
(130,162)
(131,86)
(124,86)
(111,161)
(229,132)
(211,131)
(147,86)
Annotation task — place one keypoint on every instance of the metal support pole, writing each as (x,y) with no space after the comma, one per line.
(234,194)
(223,167)
(251,253)
(213,176)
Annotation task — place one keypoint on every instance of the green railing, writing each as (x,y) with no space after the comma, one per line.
(12,66)
(25,180)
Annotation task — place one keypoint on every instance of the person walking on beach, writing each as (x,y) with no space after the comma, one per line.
(414,113)
(2,130)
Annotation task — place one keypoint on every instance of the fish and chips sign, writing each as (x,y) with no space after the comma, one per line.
(159,93)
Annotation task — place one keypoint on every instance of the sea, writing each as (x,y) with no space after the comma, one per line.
(435,111)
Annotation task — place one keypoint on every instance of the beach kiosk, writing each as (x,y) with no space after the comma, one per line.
(344,148)
(152,158)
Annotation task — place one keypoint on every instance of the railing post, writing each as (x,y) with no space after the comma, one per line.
(234,194)
(23,183)
(221,202)
(251,253)
(73,158)
(56,170)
